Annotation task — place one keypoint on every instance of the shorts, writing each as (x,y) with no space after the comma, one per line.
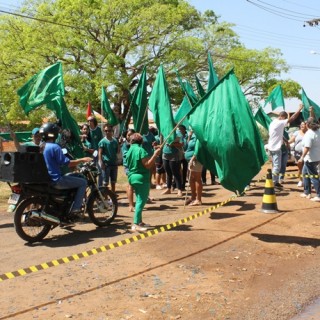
(160,169)
(110,173)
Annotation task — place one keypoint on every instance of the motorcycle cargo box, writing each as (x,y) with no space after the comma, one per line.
(23,167)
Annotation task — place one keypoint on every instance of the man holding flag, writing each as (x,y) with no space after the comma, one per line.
(276,130)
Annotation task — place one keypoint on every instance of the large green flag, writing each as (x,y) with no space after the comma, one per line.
(213,78)
(307,103)
(139,105)
(43,87)
(200,89)
(160,106)
(262,118)
(183,110)
(47,88)
(223,123)
(107,111)
(275,98)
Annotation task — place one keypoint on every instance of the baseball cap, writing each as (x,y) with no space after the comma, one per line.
(35,131)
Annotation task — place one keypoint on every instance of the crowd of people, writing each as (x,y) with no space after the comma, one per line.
(170,167)
(147,162)
(306,147)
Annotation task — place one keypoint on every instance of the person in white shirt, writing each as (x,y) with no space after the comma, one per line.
(276,130)
(311,158)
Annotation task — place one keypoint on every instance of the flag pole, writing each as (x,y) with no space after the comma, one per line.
(144,116)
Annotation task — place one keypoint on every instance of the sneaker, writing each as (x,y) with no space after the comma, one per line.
(179,194)
(316,199)
(278,185)
(136,227)
(158,187)
(300,184)
(142,224)
(75,213)
(303,195)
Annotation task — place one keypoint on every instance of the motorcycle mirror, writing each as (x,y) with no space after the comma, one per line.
(64,151)
(95,153)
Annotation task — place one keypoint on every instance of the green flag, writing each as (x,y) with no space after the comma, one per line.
(275,98)
(200,89)
(68,122)
(262,118)
(160,106)
(187,89)
(223,123)
(307,103)
(43,87)
(107,111)
(139,105)
(183,110)
(213,78)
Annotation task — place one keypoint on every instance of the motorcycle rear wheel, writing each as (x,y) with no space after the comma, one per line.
(28,228)
(102,213)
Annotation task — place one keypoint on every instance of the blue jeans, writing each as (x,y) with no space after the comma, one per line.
(73,182)
(310,168)
(284,160)
(276,164)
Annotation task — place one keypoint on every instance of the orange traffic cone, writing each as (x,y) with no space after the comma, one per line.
(269,202)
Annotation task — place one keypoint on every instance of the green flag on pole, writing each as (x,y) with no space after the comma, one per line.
(139,105)
(307,103)
(262,118)
(183,110)
(200,89)
(275,98)
(213,78)
(159,103)
(187,89)
(47,88)
(43,87)
(61,110)
(107,111)
(223,123)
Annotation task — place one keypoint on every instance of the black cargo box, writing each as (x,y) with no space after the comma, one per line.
(23,167)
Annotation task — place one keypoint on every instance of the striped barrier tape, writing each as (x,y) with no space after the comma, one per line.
(120,243)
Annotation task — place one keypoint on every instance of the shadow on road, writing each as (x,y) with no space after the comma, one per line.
(75,237)
(273,238)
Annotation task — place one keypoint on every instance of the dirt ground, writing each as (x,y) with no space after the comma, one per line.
(234,262)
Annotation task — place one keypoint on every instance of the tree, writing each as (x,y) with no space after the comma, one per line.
(108,43)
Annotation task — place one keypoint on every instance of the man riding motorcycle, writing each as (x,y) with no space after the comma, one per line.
(55,159)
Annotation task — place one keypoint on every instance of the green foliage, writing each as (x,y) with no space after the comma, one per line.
(107,43)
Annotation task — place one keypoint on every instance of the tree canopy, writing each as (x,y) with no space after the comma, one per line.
(108,43)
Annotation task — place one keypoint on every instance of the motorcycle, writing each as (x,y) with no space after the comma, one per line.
(40,207)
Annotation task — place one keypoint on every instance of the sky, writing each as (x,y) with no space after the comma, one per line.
(269,23)
(278,24)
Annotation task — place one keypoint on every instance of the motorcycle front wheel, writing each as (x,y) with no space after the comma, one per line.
(27,227)
(102,211)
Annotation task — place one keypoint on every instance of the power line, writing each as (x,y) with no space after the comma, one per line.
(281,12)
